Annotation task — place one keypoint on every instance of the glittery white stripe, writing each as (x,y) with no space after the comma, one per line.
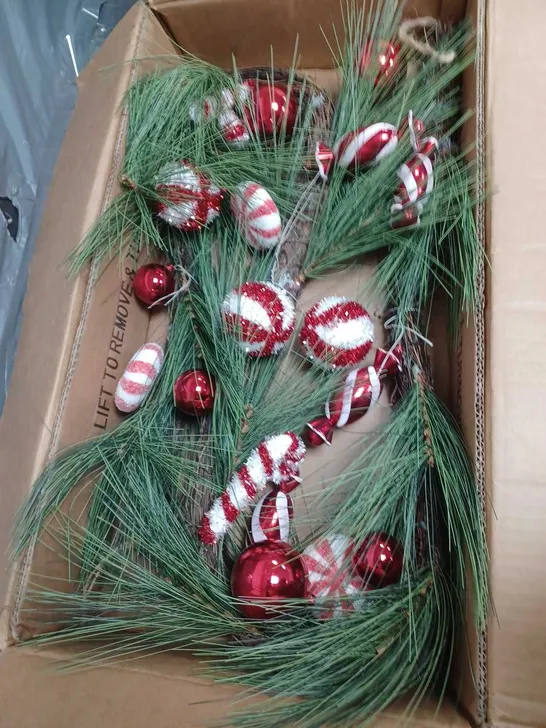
(217,519)
(346,334)
(237,493)
(248,309)
(327,303)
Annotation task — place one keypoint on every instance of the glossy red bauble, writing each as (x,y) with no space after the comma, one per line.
(379,560)
(271,106)
(152,282)
(194,392)
(387,61)
(265,575)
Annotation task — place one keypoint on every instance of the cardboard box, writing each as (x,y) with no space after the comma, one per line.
(61,389)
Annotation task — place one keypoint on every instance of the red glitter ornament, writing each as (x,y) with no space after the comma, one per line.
(152,282)
(261,316)
(388,60)
(271,517)
(332,582)
(319,432)
(265,575)
(189,199)
(379,560)
(271,107)
(194,392)
(337,332)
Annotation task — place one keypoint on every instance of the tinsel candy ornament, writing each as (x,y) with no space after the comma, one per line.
(138,377)
(260,316)
(233,129)
(265,576)
(190,201)
(362,147)
(379,560)
(271,517)
(332,583)
(337,332)
(276,460)
(362,388)
(257,214)
(270,107)
(194,392)
(153,282)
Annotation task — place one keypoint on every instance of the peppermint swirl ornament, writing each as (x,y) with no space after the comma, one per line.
(337,332)
(257,215)
(189,199)
(271,517)
(367,145)
(416,183)
(332,582)
(138,377)
(260,316)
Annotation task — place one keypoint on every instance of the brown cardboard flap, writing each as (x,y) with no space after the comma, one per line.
(247,29)
(155,692)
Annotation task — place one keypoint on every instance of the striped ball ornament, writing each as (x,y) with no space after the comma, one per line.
(257,215)
(337,332)
(367,145)
(260,316)
(138,377)
(271,517)
(189,199)
(332,581)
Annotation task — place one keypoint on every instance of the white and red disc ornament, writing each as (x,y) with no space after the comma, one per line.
(138,377)
(271,517)
(276,460)
(332,582)
(233,129)
(257,215)
(189,199)
(337,332)
(362,388)
(260,316)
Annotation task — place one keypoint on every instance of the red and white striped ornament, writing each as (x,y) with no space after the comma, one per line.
(276,460)
(202,112)
(190,200)
(271,517)
(362,388)
(416,184)
(257,214)
(261,317)
(233,129)
(138,377)
(332,582)
(337,332)
(367,145)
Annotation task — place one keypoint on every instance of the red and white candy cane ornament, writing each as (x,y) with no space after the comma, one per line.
(276,460)
(337,332)
(257,214)
(362,147)
(362,388)
(332,582)
(260,316)
(271,517)
(233,129)
(189,199)
(138,377)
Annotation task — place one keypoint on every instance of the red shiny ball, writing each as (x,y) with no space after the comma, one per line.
(152,282)
(194,392)
(265,575)
(271,107)
(388,60)
(379,560)
(406,218)
(319,432)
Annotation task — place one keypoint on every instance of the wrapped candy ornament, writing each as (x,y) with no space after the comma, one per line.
(153,282)
(265,575)
(271,517)
(319,432)
(189,199)
(260,316)
(138,377)
(257,214)
(337,332)
(332,582)
(276,460)
(362,147)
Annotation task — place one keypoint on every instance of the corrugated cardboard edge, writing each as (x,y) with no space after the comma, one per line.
(21,570)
